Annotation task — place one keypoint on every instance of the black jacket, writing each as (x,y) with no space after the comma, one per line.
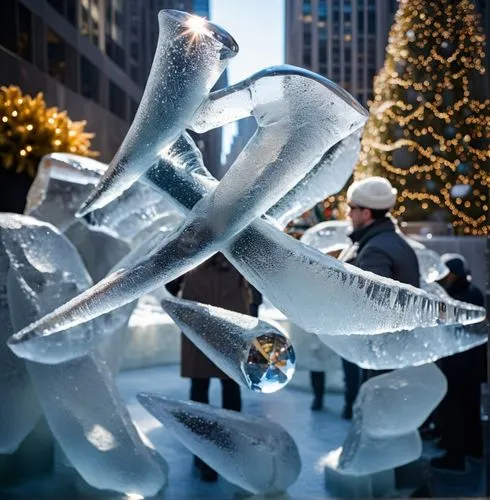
(463,290)
(379,248)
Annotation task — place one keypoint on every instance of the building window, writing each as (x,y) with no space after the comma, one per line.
(85,18)
(89,79)
(322,11)
(24,42)
(117,100)
(8,31)
(56,56)
(307,7)
(66,8)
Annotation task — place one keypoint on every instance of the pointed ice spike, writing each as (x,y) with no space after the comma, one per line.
(250,351)
(268,167)
(190,56)
(253,453)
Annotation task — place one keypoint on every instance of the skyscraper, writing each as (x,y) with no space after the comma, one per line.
(343,40)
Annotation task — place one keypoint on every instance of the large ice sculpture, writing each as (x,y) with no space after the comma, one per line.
(190,56)
(79,398)
(250,351)
(270,164)
(387,413)
(253,453)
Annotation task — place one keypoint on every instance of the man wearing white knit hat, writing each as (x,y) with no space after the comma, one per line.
(377,246)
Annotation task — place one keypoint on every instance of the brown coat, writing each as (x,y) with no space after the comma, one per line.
(215,282)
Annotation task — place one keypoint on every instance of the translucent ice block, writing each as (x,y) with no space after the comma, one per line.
(253,453)
(387,413)
(79,398)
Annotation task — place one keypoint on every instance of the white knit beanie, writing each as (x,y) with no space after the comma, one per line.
(372,192)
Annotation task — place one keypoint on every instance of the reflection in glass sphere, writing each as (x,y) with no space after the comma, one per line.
(270,363)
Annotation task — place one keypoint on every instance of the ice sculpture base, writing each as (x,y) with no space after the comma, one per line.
(401,482)
(342,485)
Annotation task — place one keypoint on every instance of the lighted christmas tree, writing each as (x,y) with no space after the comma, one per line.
(429,129)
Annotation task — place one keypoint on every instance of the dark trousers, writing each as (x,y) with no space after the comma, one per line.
(459,411)
(353,378)
(230,393)
(318,384)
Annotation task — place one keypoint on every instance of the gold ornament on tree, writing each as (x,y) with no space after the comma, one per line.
(428,132)
(29,130)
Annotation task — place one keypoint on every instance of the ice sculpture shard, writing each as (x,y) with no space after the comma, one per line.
(190,56)
(387,413)
(253,453)
(250,351)
(269,166)
(328,235)
(79,397)
(20,409)
(430,264)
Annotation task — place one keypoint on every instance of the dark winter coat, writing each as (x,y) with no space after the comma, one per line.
(217,283)
(381,249)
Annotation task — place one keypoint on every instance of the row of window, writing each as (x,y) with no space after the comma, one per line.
(59,59)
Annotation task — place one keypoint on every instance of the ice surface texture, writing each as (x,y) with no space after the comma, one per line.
(190,56)
(253,453)
(250,351)
(282,99)
(387,413)
(79,397)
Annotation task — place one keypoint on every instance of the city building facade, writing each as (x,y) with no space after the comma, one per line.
(77,52)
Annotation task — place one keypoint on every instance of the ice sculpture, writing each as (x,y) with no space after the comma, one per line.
(430,264)
(190,56)
(270,164)
(387,413)
(250,351)
(253,453)
(79,397)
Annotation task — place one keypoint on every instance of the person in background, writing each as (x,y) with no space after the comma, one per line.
(215,282)
(377,246)
(459,412)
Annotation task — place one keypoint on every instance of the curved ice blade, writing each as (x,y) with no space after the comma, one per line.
(324,288)
(252,352)
(388,351)
(326,178)
(190,56)
(253,453)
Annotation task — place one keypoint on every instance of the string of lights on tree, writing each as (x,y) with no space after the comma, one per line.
(428,132)
(29,130)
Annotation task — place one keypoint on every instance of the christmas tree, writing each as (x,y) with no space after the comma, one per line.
(428,131)
(28,131)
